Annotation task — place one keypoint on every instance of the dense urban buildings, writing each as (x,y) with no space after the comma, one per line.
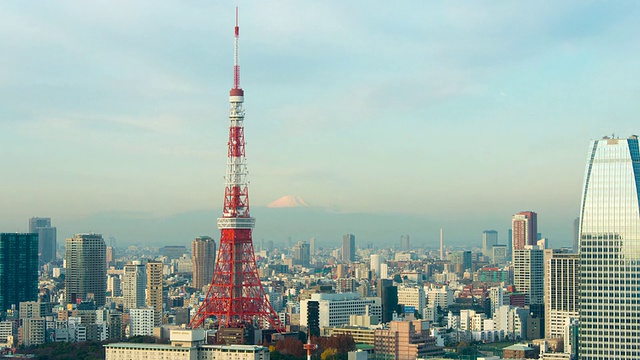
(18,269)
(524,227)
(86,272)
(203,255)
(610,251)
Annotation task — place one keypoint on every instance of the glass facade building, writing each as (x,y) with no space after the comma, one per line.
(18,269)
(610,252)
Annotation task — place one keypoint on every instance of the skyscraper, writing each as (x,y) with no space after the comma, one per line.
(610,251)
(576,234)
(18,269)
(154,290)
(528,274)
(302,254)
(47,238)
(134,283)
(312,246)
(86,274)
(404,243)
(560,291)
(348,248)
(525,229)
(489,239)
(203,256)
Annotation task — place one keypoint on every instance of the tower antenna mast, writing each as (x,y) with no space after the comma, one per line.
(236,297)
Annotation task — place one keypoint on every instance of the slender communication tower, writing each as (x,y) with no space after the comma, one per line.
(236,297)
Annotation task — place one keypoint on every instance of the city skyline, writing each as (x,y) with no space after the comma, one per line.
(120,110)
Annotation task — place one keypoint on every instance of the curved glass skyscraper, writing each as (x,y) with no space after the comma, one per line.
(610,252)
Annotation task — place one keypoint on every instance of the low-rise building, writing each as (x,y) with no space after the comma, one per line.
(185,345)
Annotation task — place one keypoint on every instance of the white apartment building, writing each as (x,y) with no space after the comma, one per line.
(33,331)
(511,319)
(439,296)
(6,330)
(141,322)
(336,309)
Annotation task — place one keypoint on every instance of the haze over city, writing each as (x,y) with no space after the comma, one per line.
(394,118)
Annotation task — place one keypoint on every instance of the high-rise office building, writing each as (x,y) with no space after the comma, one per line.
(499,254)
(610,251)
(134,284)
(154,290)
(47,238)
(348,248)
(302,254)
(203,255)
(405,243)
(388,294)
(525,229)
(462,260)
(560,291)
(37,222)
(528,274)
(18,269)
(312,246)
(86,273)
(489,239)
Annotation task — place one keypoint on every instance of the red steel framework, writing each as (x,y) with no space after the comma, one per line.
(236,297)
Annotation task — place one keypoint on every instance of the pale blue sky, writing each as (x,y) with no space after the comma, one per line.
(448,111)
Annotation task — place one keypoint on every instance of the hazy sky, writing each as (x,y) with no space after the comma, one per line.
(444,110)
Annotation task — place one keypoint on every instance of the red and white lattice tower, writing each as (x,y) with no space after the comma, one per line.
(236,297)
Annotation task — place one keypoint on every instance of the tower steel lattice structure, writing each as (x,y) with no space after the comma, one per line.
(236,297)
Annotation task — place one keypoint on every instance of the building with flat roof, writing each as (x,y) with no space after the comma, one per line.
(185,345)
(406,340)
(134,282)
(203,257)
(336,309)
(86,272)
(560,290)
(154,291)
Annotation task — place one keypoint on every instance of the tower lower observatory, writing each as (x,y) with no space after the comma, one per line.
(236,297)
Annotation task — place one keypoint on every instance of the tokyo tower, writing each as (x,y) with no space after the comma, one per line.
(236,297)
